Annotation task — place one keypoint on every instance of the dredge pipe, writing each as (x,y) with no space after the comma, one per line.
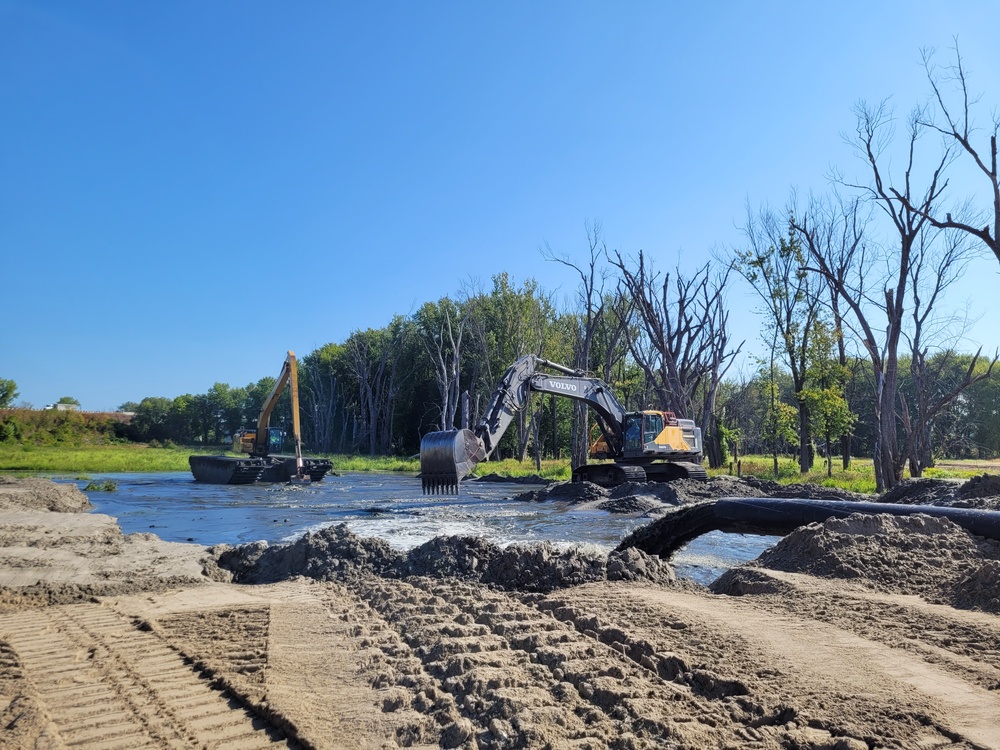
(780,516)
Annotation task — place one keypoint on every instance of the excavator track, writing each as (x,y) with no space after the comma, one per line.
(609,475)
(612,475)
(674,470)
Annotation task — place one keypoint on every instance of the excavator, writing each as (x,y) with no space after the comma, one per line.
(260,465)
(642,445)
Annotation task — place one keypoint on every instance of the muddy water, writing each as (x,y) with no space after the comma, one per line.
(389,506)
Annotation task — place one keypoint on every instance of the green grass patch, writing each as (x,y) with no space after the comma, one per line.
(952,472)
(374,463)
(108,485)
(859,478)
(552,470)
(95,459)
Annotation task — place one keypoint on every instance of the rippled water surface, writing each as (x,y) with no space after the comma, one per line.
(389,506)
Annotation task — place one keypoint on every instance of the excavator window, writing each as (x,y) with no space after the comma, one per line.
(633,432)
(653,426)
(274,437)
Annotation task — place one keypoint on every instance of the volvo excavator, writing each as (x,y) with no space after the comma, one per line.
(260,465)
(642,446)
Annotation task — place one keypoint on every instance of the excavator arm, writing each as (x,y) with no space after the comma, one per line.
(261,447)
(446,457)
(287,377)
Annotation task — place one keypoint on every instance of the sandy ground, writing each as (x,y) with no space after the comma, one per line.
(860,633)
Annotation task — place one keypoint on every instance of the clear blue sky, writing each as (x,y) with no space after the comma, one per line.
(188,189)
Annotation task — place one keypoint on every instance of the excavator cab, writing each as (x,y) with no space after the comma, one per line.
(245,441)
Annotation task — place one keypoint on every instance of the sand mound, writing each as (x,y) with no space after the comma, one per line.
(693,490)
(922,492)
(924,555)
(980,589)
(982,492)
(33,493)
(336,554)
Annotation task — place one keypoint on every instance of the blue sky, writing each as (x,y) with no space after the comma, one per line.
(188,189)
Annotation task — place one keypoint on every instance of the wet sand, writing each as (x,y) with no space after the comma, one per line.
(848,635)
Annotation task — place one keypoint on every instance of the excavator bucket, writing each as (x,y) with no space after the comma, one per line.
(446,458)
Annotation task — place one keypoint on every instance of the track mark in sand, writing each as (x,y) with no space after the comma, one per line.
(308,655)
(809,664)
(228,640)
(521,678)
(107,685)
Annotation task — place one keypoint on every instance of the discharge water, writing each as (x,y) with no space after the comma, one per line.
(388,506)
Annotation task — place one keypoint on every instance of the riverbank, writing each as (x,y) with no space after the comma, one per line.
(110,640)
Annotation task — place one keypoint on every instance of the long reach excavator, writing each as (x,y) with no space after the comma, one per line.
(642,446)
(260,465)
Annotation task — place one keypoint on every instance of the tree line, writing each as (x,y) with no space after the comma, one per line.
(861,355)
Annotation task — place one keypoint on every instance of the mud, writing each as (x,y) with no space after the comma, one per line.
(336,554)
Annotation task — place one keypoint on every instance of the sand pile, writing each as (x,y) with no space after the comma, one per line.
(336,554)
(52,551)
(33,493)
(982,492)
(924,555)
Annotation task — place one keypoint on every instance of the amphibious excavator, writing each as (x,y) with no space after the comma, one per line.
(642,445)
(260,465)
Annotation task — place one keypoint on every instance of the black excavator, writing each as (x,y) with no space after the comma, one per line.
(643,445)
(260,465)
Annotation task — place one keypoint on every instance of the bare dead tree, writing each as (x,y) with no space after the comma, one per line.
(376,361)
(773,263)
(321,400)
(931,273)
(681,337)
(957,127)
(591,301)
(908,218)
(442,326)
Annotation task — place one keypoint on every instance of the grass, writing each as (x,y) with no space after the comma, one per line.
(859,478)
(114,459)
(107,459)
(374,463)
(552,469)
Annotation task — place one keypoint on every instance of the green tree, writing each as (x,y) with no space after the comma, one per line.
(68,400)
(780,419)
(829,413)
(8,392)
(151,420)
(504,325)
(227,409)
(773,264)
